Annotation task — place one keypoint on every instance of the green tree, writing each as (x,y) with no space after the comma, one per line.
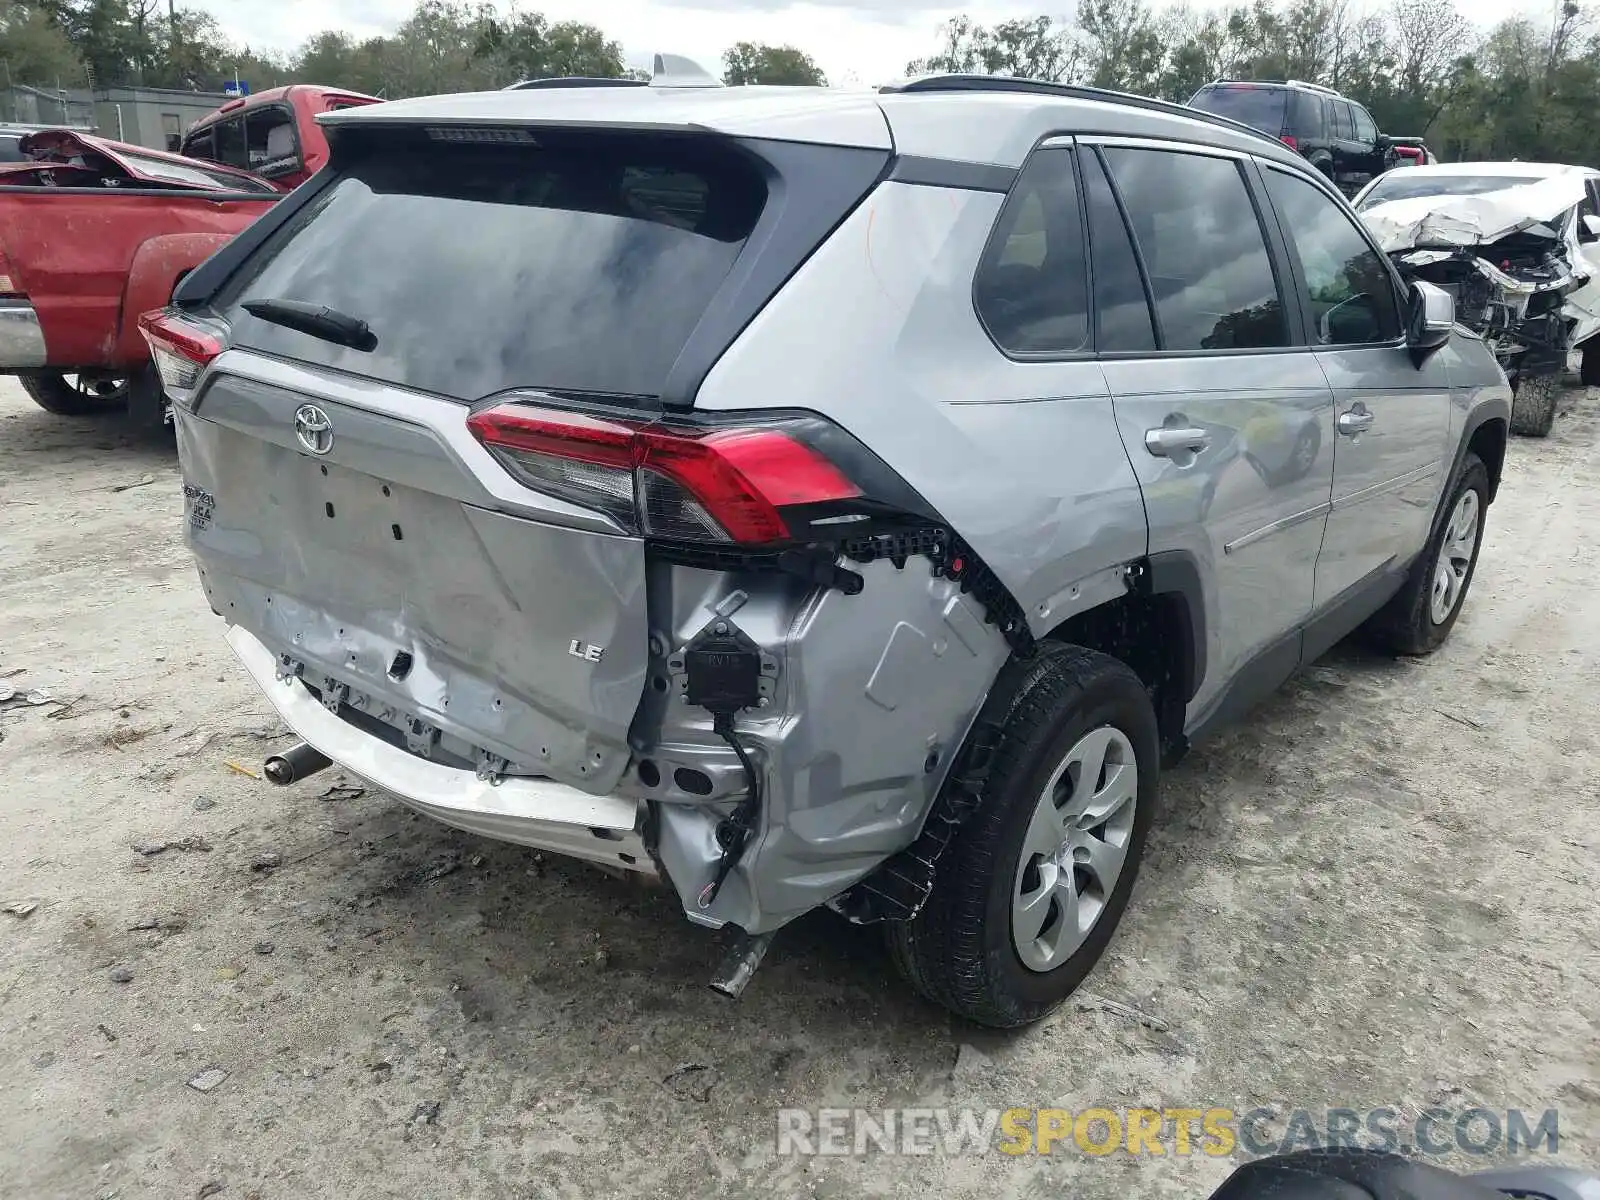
(35,50)
(754,62)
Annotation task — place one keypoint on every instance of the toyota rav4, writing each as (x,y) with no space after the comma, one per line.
(813,498)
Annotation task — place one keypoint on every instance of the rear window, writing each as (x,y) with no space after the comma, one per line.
(1257,106)
(577,265)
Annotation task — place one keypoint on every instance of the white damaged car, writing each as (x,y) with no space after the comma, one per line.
(1518,246)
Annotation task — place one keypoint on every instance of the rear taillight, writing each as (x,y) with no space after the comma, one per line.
(180,348)
(1290,141)
(759,484)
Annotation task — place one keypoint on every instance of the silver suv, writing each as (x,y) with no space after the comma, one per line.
(813,498)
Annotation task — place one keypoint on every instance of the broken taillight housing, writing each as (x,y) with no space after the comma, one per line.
(180,348)
(764,483)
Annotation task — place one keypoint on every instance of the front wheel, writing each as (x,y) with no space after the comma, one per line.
(1029,895)
(1423,612)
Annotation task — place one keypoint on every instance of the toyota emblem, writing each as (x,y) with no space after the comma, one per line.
(313,429)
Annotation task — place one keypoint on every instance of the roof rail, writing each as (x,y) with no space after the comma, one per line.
(1069,91)
(573,81)
(1315,87)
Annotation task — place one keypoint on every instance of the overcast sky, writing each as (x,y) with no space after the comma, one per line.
(854,41)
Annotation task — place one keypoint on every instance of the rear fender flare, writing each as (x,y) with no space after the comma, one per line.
(158,265)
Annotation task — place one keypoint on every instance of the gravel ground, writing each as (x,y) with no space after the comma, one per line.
(1377,892)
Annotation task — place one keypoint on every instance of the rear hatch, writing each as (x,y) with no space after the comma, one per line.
(340,508)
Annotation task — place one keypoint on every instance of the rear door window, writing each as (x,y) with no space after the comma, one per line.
(1263,108)
(1122,310)
(1203,248)
(230,143)
(578,264)
(1340,124)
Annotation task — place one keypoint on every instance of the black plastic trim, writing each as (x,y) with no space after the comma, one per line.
(201,284)
(952,173)
(1301,646)
(1476,420)
(1176,573)
(811,189)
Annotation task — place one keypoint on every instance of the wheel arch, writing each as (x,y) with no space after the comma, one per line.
(1487,439)
(1158,628)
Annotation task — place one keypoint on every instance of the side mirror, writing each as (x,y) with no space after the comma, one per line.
(1432,314)
(1590,230)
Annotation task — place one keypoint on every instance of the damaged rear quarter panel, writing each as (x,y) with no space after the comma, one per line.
(875,693)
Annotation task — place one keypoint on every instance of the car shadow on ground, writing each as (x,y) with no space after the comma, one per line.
(503,937)
(71,439)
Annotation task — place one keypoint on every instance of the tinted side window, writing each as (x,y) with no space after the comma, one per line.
(1122,311)
(1203,248)
(231,149)
(1031,289)
(201,145)
(1366,128)
(1352,294)
(270,141)
(1342,121)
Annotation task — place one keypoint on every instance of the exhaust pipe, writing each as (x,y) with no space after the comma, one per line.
(295,763)
(739,965)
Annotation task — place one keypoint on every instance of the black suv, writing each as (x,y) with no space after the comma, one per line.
(1337,135)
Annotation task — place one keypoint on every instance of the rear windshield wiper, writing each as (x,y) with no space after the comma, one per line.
(318,320)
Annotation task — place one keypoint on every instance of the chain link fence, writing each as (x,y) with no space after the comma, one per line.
(23,105)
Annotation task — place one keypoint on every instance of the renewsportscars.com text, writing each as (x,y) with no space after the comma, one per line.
(1215,1132)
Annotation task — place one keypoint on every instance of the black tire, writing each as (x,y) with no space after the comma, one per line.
(1589,371)
(1533,404)
(1406,625)
(51,392)
(959,951)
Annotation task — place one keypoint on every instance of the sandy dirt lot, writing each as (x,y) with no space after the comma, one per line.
(1378,892)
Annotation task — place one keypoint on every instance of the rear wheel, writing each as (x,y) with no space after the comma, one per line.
(1030,893)
(71,395)
(1533,404)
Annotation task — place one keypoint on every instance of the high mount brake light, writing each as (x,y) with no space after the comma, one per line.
(181,349)
(725,484)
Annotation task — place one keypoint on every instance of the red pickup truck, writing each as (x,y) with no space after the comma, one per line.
(94,232)
(272,134)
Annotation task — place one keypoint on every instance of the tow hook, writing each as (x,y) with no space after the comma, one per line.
(739,965)
(295,763)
